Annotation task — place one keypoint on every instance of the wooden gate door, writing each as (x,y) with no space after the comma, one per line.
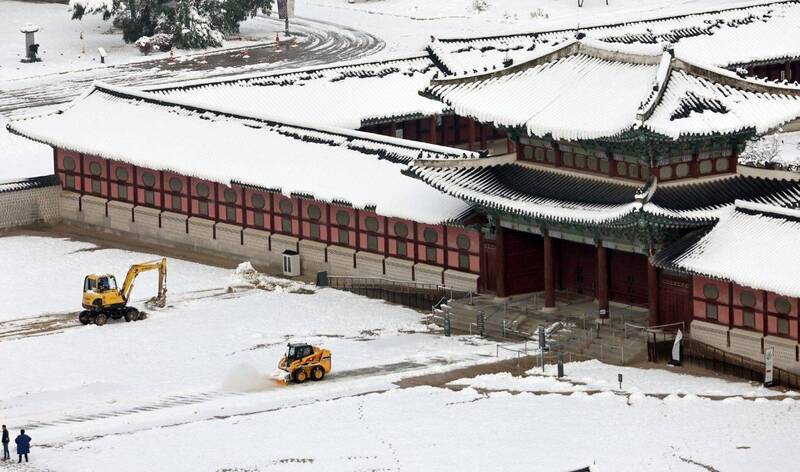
(627,281)
(675,298)
(578,267)
(524,262)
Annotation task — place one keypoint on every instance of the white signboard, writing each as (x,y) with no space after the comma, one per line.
(769,355)
(285,9)
(676,349)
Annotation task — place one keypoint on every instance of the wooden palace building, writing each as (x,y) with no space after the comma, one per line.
(601,163)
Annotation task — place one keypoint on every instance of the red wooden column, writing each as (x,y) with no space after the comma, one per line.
(652,293)
(482,133)
(432,130)
(501,261)
(549,273)
(470,134)
(602,280)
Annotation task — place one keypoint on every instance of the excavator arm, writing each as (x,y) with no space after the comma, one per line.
(161,265)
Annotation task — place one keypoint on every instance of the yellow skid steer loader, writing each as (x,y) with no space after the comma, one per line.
(302,362)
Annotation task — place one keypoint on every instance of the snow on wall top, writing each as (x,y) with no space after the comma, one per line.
(738,35)
(752,245)
(354,167)
(27,184)
(579,92)
(347,96)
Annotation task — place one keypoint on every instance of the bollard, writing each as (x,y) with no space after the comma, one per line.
(481,322)
(560,365)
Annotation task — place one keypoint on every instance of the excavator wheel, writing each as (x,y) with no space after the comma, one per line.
(131,314)
(85,317)
(300,375)
(100,319)
(318,373)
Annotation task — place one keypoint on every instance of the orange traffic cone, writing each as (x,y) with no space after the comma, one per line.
(246,54)
(294,42)
(277,43)
(171,58)
(203,59)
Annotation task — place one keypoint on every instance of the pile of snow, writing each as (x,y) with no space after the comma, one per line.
(594,375)
(247,274)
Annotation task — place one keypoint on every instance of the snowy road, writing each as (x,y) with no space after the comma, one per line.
(318,42)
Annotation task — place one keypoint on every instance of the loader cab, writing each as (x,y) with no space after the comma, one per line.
(299,351)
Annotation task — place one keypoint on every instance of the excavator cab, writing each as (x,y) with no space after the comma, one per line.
(100,290)
(103,298)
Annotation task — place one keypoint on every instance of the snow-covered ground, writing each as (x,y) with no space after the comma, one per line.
(428,428)
(28,158)
(62,49)
(209,345)
(188,388)
(779,151)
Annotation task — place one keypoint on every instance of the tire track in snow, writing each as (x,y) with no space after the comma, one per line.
(323,42)
(202,397)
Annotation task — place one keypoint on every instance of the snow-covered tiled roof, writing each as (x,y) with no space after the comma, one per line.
(581,91)
(560,196)
(738,35)
(349,95)
(753,245)
(27,184)
(326,163)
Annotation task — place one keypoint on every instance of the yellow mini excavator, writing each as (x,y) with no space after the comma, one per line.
(102,299)
(302,362)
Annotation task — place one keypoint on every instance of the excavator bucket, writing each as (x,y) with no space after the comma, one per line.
(160,300)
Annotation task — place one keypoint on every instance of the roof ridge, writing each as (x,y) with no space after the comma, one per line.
(125,92)
(740,6)
(611,52)
(286,71)
(767,208)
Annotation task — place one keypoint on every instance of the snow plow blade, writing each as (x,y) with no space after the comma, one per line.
(281,378)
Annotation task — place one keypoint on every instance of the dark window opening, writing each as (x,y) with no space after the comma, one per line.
(749,318)
(149,197)
(463,261)
(712,311)
(430,254)
(344,236)
(372,242)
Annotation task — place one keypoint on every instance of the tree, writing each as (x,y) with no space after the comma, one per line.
(191,23)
